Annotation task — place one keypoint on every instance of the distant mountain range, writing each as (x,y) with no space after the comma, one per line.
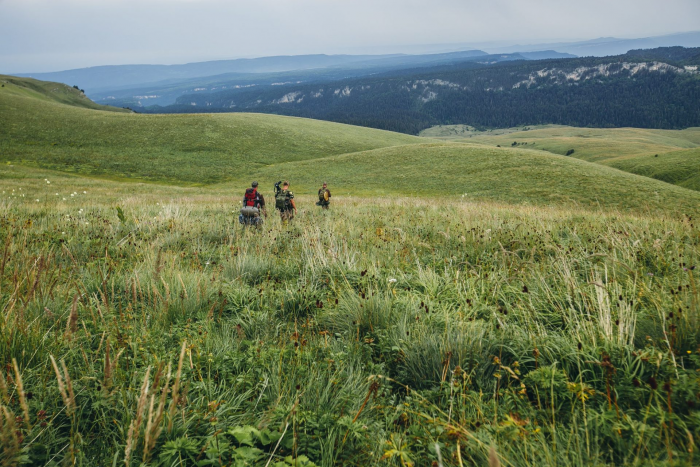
(165,93)
(124,82)
(656,88)
(606,46)
(104,78)
(101,80)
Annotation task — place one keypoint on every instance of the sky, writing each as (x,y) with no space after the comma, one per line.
(54,35)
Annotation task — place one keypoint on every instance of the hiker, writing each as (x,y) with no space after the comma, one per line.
(253,205)
(284,202)
(324,196)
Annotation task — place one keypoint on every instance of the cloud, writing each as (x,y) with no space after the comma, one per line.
(58,34)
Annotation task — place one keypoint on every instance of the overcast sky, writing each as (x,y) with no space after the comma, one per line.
(52,35)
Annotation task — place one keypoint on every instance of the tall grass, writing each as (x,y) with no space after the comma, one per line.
(381,332)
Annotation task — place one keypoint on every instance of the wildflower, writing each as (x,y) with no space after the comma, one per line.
(85,192)
(392,280)
(48,182)
(689,352)
(64,199)
(37,201)
(650,274)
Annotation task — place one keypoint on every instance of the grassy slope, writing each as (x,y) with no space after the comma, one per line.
(286,331)
(552,292)
(599,145)
(505,174)
(681,167)
(628,149)
(451,132)
(184,149)
(234,148)
(49,92)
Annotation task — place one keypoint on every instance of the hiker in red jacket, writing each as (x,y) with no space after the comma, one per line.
(253,205)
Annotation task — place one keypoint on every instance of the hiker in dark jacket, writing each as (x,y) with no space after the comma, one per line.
(284,203)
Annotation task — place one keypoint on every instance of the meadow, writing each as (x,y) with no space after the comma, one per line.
(459,304)
(142,326)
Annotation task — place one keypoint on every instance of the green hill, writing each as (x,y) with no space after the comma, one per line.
(231,149)
(14,89)
(480,173)
(593,144)
(681,167)
(458,132)
(184,149)
(630,149)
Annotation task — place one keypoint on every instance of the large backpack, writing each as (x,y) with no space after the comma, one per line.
(250,197)
(282,200)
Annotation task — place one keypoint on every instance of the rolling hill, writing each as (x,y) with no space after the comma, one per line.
(189,149)
(590,144)
(228,150)
(681,167)
(15,91)
(508,175)
(668,155)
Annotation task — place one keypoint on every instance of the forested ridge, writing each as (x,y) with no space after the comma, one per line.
(657,88)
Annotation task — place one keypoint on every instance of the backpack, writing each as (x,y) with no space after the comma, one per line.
(323,195)
(251,195)
(282,200)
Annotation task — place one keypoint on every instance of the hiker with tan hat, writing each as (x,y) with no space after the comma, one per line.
(324,196)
